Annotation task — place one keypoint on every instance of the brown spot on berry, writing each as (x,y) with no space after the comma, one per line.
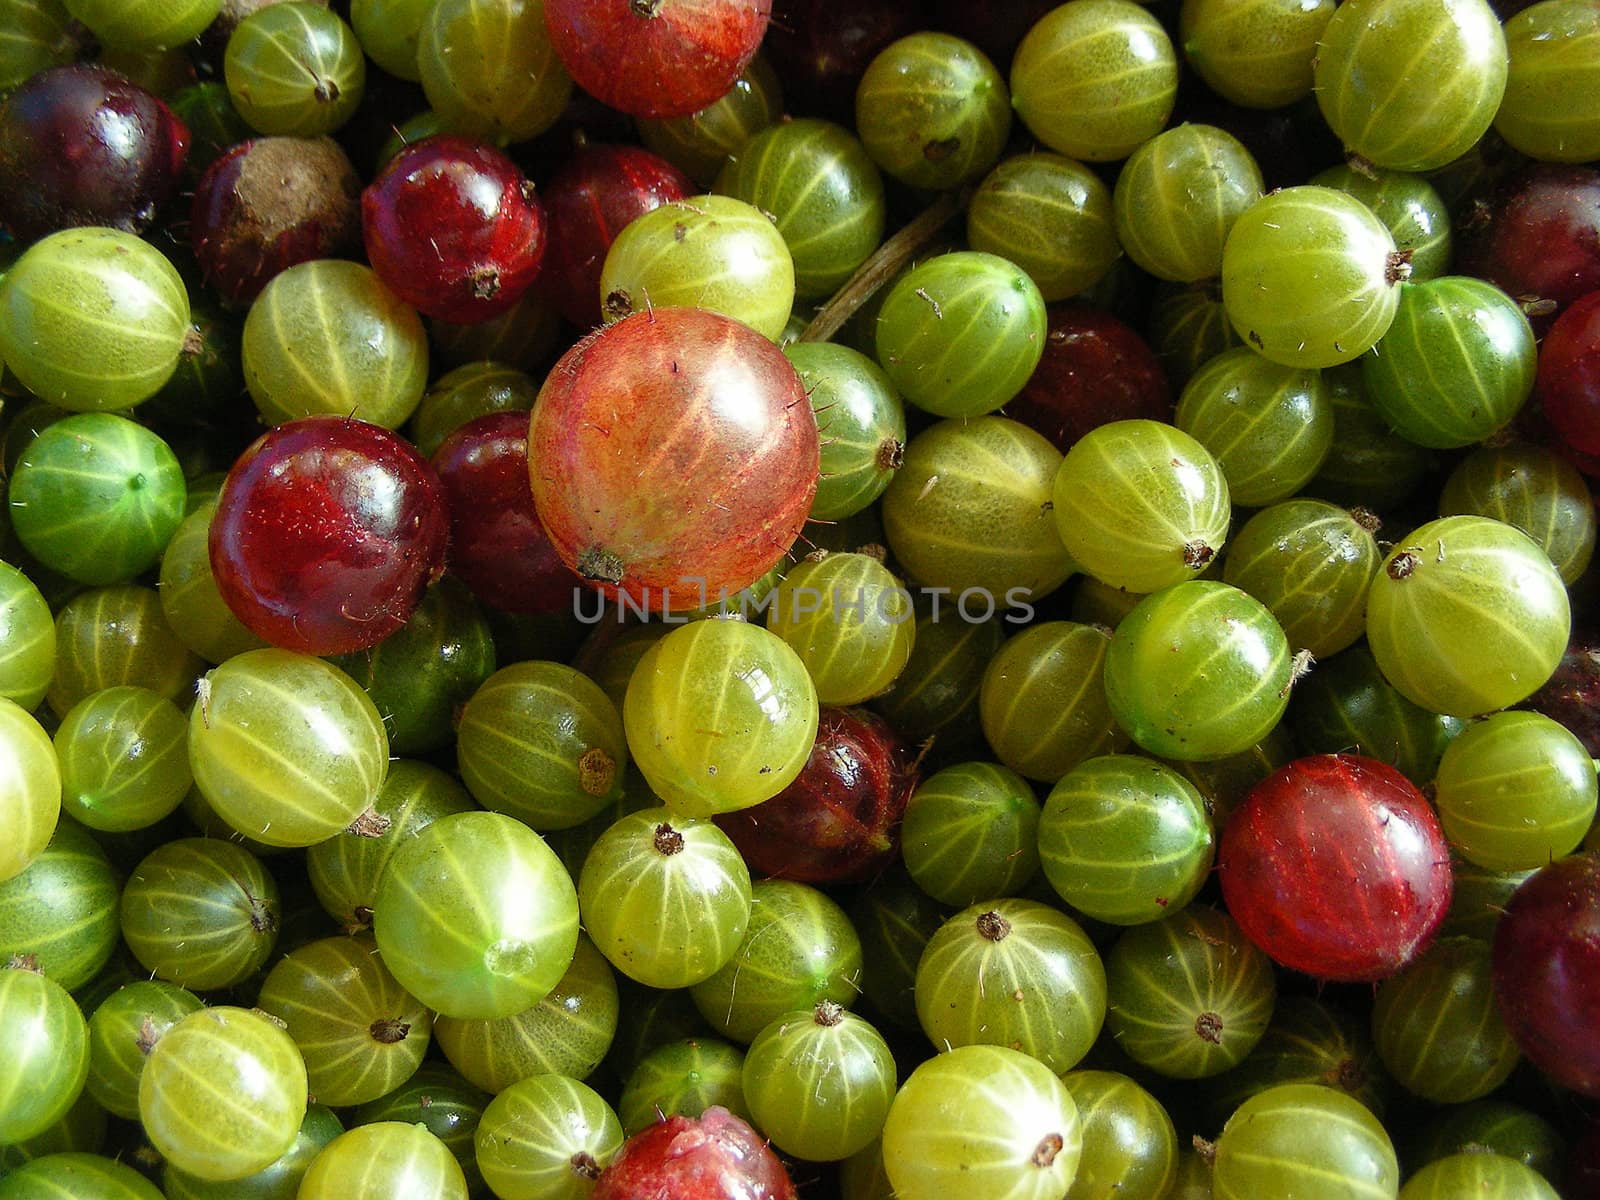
(370,824)
(1401,565)
(1045,1152)
(668,841)
(483,282)
(389,1030)
(263,917)
(600,566)
(597,770)
(993,926)
(1366,518)
(1347,1076)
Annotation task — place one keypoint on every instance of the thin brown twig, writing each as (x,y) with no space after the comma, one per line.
(884,264)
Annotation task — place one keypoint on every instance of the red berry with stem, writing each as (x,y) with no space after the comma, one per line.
(656,58)
(326,534)
(497,546)
(589,202)
(454,229)
(1547,971)
(1336,865)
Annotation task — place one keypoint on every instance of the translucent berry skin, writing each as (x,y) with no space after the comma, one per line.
(1303,1139)
(1095,81)
(590,201)
(673,456)
(1409,205)
(93,319)
(1569,375)
(269,204)
(1335,865)
(1198,671)
(1255,55)
(1467,615)
(83,145)
(145,25)
(257,1077)
(497,546)
(932,111)
(1455,366)
(454,229)
(1456,46)
(712,252)
(972,363)
(1546,959)
(839,821)
(715,1156)
(656,58)
(1309,277)
(327,531)
(1550,106)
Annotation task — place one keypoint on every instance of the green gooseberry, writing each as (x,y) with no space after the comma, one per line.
(1198,671)
(822,192)
(1179,195)
(1049,215)
(93,319)
(1096,79)
(97,497)
(294,70)
(711,252)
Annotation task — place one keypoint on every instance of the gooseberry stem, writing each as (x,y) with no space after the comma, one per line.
(884,264)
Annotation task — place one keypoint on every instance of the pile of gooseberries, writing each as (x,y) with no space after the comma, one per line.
(799,599)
